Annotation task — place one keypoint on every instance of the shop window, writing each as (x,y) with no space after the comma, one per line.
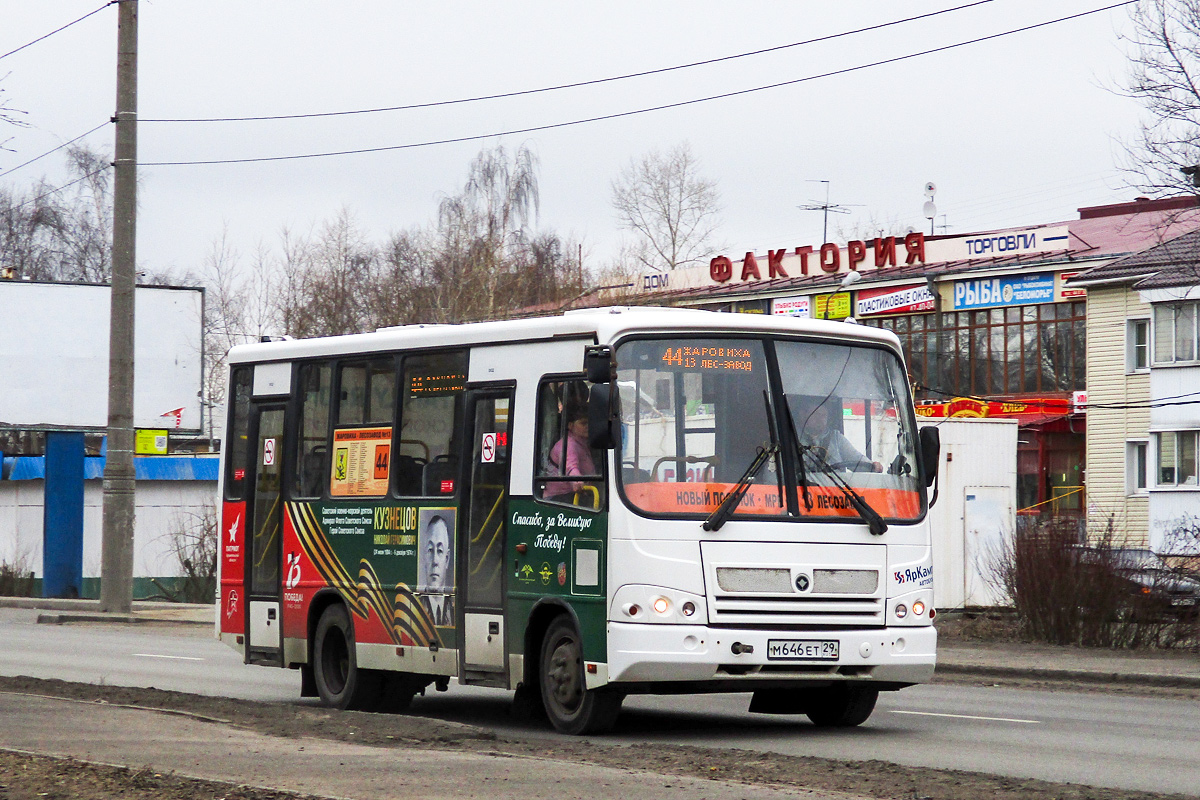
(312,452)
(426,461)
(567,470)
(1136,466)
(1176,458)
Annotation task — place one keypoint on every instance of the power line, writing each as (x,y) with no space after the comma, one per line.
(60,30)
(576,85)
(621,114)
(55,150)
(55,190)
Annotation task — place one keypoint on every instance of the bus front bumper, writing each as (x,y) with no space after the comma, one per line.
(695,653)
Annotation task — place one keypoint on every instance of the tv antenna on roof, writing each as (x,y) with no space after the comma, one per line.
(826,207)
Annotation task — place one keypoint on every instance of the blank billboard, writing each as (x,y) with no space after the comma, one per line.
(54,356)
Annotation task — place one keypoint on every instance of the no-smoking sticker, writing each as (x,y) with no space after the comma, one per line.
(487,450)
(268,452)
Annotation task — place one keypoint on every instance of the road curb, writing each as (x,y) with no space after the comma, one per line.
(1070,676)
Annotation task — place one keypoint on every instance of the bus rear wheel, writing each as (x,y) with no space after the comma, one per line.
(570,705)
(340,683)
(842,706)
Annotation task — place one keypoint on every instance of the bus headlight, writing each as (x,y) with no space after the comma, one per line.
(643,603)
(901,611)
(918,608)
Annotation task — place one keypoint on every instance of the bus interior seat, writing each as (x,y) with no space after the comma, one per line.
(313,471)
(409,471)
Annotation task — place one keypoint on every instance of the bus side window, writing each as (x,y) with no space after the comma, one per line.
(362,458)
(567,470)
(237,444)
(426,460)
(312,453)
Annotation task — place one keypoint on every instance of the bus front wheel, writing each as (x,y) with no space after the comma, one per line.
(340,683)
(842,706)
(570,705)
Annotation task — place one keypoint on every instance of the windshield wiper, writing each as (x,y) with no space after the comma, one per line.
(802,476)
(874,522)
(723,512)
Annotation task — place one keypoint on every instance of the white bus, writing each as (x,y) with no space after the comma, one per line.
(580,507)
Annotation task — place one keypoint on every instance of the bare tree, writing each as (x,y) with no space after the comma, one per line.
(1165,77)
(485,230)
(10,116)
(671,208)
(48,234)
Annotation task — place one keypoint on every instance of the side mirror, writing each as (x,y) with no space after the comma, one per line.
(603,417)
(597,363)
(931,449)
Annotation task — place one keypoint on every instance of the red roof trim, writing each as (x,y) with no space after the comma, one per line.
(1139,206)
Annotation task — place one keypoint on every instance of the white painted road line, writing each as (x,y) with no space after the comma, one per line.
(176,658)
(968,716)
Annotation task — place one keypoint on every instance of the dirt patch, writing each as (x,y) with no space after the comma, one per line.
(998,626)
(871,778)
(31,777)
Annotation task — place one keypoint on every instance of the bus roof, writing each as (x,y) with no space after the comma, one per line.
(605,325)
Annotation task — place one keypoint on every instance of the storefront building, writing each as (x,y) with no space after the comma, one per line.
(990,322)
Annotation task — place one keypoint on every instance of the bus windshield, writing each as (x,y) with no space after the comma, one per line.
(696,411)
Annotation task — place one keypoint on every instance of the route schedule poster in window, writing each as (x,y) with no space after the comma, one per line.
(361,460)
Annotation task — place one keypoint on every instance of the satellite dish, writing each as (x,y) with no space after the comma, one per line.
(930,210)
(930,189)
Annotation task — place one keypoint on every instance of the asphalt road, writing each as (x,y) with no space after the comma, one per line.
(1121,741)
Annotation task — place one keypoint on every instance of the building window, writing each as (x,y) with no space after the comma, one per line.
(1174,332)
(996,351)
(1176,458)
(1137,345)
(1136,456)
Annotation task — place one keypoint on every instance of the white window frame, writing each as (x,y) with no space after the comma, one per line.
(1131,345)
(1159,483)
(1168,308)
(1132,449)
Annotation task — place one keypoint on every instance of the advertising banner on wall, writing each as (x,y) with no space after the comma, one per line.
(893,300)
(1011,290)
(791,306)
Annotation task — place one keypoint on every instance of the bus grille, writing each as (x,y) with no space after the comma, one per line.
(782,585)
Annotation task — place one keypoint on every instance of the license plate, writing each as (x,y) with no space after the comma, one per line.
(802,650)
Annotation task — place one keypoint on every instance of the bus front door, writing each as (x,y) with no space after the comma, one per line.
(482,534)
(263,524)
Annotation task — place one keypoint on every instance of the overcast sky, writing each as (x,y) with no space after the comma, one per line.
(1017,130)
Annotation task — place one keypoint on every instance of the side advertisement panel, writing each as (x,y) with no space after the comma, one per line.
(232,539)
(558,552)
(393,565)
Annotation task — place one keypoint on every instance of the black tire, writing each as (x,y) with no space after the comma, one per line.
(843,706)
(340,683)
(398,689)
(571,707)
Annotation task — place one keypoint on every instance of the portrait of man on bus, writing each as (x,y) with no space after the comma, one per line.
(435,563)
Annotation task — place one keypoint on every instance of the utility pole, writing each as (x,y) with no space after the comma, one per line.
(116,559)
